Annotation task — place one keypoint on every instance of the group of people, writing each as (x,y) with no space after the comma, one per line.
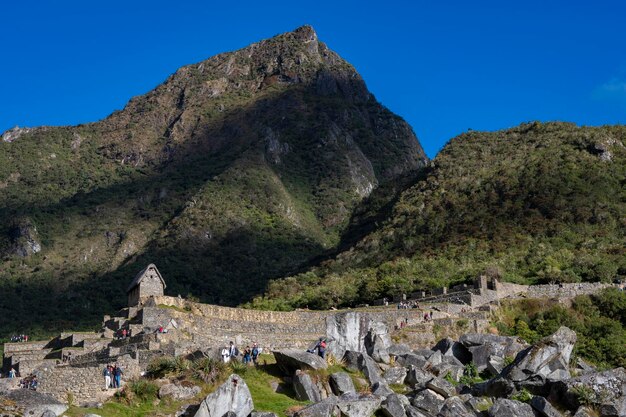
(112,376)
(19,338)
(405,305)
(30,382)
(250,354)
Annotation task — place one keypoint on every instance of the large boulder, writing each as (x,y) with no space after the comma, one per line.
(355,405)
(510,408)
(412,359)
(449,347)
(178,392)
(428,402)
(393,406)
(324,408)
(484,347)
(398,349)
(441,387)
(395,375)
(291,360)
(547,360)
(304,387)
(232,397)
(606,390)
(417,378)
(455,407)
(370,369)
(377,341)
(34,403)
(341,383)
(544,408)
(358,332)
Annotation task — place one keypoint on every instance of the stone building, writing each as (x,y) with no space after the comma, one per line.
(148,282)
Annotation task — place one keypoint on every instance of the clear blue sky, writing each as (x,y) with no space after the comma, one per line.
(443,66)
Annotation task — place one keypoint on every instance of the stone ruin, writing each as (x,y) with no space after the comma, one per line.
(70,364)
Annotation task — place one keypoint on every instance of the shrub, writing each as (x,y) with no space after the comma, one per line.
(143,389)
(208,369)
(584,395)
(523,396)
(160,367)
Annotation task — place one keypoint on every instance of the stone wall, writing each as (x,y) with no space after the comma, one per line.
(83,383)
(565,290)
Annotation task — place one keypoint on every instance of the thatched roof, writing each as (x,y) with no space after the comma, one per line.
(139,277)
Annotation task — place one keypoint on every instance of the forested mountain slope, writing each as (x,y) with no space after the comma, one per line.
(536,203)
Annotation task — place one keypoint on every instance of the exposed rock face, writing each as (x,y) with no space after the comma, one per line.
(455,407)
(428,401)
(358,332)
(232,398)
(14,133)
(324,408)
(24,238)
(449,347)
(393,406)
(544,408)
(291,360)
(395,375)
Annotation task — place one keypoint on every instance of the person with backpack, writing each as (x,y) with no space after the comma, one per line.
(255,354)
(321,347)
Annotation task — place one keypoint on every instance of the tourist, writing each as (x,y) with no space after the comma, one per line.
(12,373)
(233,352)
(106,372)
(33,383)
(255,353)
(118,376)
(431,315)
(321,347)
(247,355)
(225,355)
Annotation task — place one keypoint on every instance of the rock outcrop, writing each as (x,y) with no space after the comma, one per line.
(232,398)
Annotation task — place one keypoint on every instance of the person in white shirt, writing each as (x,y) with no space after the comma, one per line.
(225,355)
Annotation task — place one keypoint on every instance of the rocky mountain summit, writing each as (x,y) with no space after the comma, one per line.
(235,170)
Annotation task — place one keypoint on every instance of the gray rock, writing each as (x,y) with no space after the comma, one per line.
(381,389)
(412,411)
(393,406)
(395,375)
(478,404)
(544,408)
(49,413)
(377,341)
(434,359)
(262,414)
(351,359)
(584,412)
(354,405)
(483,346)
(340,383)
(426,353)
(178,392)
(357,332)
(92,415)
(417,378)
(232,397)
(290,360)
(495,364)
(510,408)
(304,388)
(441,387)
(455,407)
(398,349)
(606,388)
(451,348)
(428,401)
(369,369)
(412,359)
(443,369)
(325,408)
(546,361)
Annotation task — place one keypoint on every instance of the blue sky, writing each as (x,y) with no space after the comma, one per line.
(443,66)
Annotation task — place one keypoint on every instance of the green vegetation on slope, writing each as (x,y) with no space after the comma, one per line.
(538,203)
(599,322)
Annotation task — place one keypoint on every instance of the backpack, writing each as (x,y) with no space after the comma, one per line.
(255,352)
(323,344)
(236,351)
